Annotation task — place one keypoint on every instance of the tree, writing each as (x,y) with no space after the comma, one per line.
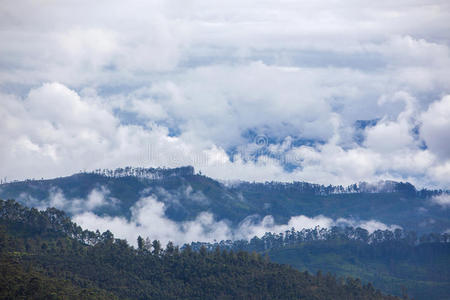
(140,242)
(170,248)
(156,248)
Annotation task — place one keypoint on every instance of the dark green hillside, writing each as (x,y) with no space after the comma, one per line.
(19,280)
(186,194)
(129,189)
(412,211)
(422,271)
(45,256)
(392,261)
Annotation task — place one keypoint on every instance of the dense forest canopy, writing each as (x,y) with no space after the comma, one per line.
(393,261)
(45,255)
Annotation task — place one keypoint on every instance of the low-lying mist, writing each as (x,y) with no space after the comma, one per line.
(148,219)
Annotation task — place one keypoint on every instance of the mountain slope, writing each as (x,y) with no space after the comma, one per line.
(421,271)
(393,261)
(186,194)
(47,245)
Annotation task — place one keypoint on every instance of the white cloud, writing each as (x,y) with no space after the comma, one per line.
(249,228)
(97,197)
(161,83)
(148,219)
(370,226)
(390,136)
(435,128)
(442,200)
(64,132)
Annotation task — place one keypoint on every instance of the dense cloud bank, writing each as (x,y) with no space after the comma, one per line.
(249,90)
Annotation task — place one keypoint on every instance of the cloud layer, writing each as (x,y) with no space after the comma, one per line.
(148,219)
(160,83)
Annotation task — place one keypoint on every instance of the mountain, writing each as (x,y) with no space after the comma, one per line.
(386,262)
(420,271)
(393,262)
(185,194)
(43,255)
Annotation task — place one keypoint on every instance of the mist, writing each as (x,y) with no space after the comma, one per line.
(148,219)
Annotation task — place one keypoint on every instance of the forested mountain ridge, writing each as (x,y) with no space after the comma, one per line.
(43,257)
(394,262)
(186,194)
(294,237)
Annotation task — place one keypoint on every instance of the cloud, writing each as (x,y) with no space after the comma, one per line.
(370,226)
(435,128)
(148,219)
(158,83)
(389,136)
(97,197)
(443,200)
(177,197)
(250,228)
(65,132)
(81,43)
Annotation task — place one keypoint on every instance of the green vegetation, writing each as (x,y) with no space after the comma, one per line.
(22,280)
(390,202)
(405,262)
(395,262)
(421,271)
(43,255)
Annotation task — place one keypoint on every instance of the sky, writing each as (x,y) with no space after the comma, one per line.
(331,92)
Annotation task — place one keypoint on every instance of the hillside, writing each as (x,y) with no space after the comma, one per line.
(46,256)
(186,194)
(422,271)
(394,262)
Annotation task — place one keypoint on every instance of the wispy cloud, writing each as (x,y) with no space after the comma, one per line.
(443,200)
(97,198)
